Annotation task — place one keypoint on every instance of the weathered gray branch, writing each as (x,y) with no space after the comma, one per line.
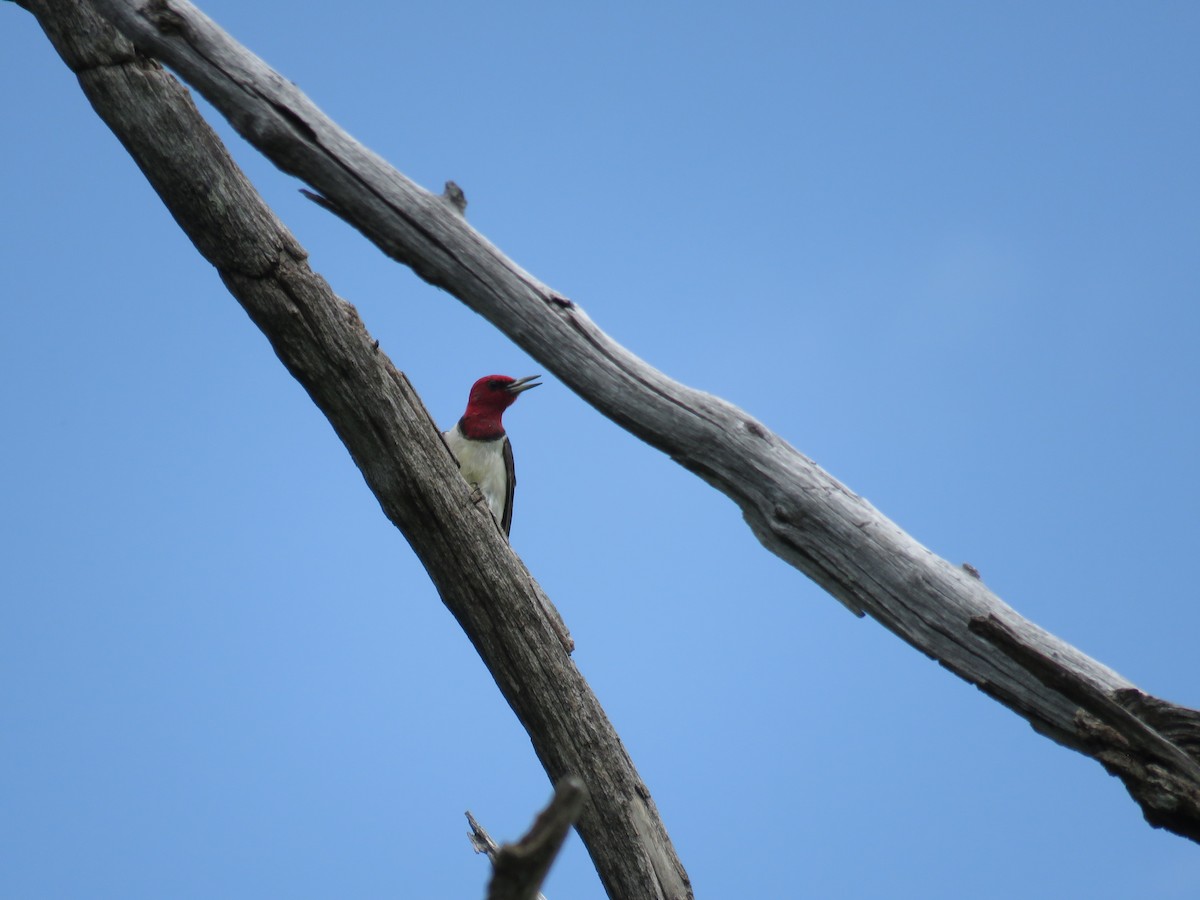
(480,839)
(520,868)
(388,432)
(796,509)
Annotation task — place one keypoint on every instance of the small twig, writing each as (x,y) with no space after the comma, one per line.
(519,869)
(454,195)
(481,840)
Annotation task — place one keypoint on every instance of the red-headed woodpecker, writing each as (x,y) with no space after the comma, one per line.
(478,441)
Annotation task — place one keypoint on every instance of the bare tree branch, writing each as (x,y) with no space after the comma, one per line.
(322,342)
(520,868)
(1122,729)
(796,509)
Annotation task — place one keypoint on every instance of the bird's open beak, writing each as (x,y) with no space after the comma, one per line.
(524,384)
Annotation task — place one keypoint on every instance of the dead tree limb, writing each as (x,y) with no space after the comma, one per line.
(374,410)
(519,869)
(796,509)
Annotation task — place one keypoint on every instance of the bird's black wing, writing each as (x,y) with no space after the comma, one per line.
(511,483)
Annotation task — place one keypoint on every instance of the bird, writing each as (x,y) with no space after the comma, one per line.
(482,448)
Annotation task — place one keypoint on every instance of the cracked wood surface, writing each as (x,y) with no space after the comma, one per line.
(796,509)
(387,430)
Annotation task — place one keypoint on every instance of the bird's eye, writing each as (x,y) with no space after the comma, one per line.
(494,384)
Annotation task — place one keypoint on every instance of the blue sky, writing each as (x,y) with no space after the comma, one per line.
(948,250)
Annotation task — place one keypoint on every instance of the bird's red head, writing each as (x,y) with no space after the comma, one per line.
(490,397)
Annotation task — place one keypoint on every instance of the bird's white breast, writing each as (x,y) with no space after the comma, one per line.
(482,465)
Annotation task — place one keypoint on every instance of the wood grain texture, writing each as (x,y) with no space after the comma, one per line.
(796,509)
(387,430)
